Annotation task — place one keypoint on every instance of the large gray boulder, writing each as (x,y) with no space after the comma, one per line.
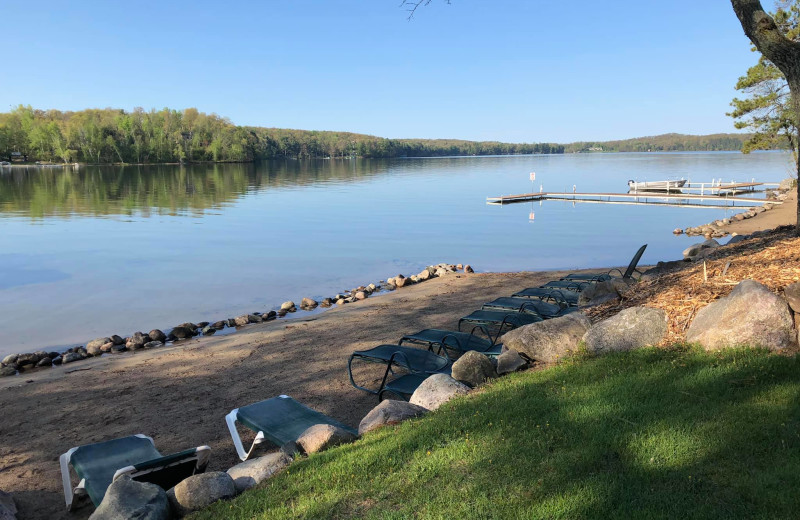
(387,413)
(473,369)
(157,335)
(99,342)
(8,370)
(750,315)
(697,249)
(437,390)
(137,341)
(11,358)
(548,340)
(323,436)
(128,499)
(792,295)
(629,329)
(509,361)
(606,291)
(8,509)
(200,491)
(251,472)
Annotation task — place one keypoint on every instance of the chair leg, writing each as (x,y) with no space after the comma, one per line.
(65,478)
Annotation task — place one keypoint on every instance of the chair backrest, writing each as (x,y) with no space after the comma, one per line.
(634,262)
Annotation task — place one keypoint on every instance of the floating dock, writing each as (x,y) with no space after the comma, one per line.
(639,197)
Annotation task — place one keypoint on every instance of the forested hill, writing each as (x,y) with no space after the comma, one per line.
(163,136)
(664,143)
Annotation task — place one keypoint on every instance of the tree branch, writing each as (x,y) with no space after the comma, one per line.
(766,35)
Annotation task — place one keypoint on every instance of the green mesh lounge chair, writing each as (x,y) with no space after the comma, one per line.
(608,275)
(444,341)
(279,419)
(500,319)
(570,298)
(99,464)
(414,360)
(542,308)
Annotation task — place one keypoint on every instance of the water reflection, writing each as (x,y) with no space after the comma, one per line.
(162,190)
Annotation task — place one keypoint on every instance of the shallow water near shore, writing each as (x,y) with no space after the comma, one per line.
(103,250)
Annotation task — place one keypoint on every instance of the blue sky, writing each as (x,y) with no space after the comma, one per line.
(518,71)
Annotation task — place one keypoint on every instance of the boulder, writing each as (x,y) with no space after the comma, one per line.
(323,436)
(152,344)
(473,369)
(792,295)
(27,359)
(424,275)
(106,348)
(99,342)
(254,318)
(57,360)
(251,472)
(11,358)
(400,281)
(509,361)
(189,325)
(45,362)
(128,499)
(271,315)
(787,184)
(8,509)
(200,491)
(602,292)
(241,321)
(548,340)
(696,249)
(360,295)
(468,269)
(629,329)
(95,350)
(750,315)
(208,330)
(219,325)
(116,349)
(308,303)
(736,239)
(288,306)
(116,340)
(157,335)
(387,413)
(181,332)
(326,302)
(437,390)
(137,341)
(8,370)
(70,357)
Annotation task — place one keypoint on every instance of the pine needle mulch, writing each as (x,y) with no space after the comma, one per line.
(683,288)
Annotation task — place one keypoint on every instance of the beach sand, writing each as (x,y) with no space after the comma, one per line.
(180,394)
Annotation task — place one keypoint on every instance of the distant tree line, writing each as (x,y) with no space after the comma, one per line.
(665,143)
(103,136)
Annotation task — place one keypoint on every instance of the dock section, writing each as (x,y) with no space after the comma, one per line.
(720,199)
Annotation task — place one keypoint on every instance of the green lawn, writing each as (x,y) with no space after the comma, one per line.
(650,434)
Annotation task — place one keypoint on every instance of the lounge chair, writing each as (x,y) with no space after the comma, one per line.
(542,308)
(500,318)
(570,298)
(607,275)
(98,465)
(279,419)
(445,340)
(414,360)
(574,286)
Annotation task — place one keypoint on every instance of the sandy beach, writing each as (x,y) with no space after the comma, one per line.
(180,394)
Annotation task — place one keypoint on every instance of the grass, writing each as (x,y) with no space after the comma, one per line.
(655,433)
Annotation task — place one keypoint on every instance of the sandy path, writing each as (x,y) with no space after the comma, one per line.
(179,395)
(781,215)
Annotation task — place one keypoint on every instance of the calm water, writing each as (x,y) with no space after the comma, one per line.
(100,251)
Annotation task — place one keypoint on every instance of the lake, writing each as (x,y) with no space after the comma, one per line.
(96,251)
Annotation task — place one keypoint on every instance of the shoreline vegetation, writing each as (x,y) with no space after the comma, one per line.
(115,136)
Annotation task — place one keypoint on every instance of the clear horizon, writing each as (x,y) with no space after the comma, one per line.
(510,71)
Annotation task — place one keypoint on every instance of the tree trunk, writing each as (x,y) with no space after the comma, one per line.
(783,52)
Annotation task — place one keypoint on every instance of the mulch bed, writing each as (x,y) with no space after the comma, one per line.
(683,288)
